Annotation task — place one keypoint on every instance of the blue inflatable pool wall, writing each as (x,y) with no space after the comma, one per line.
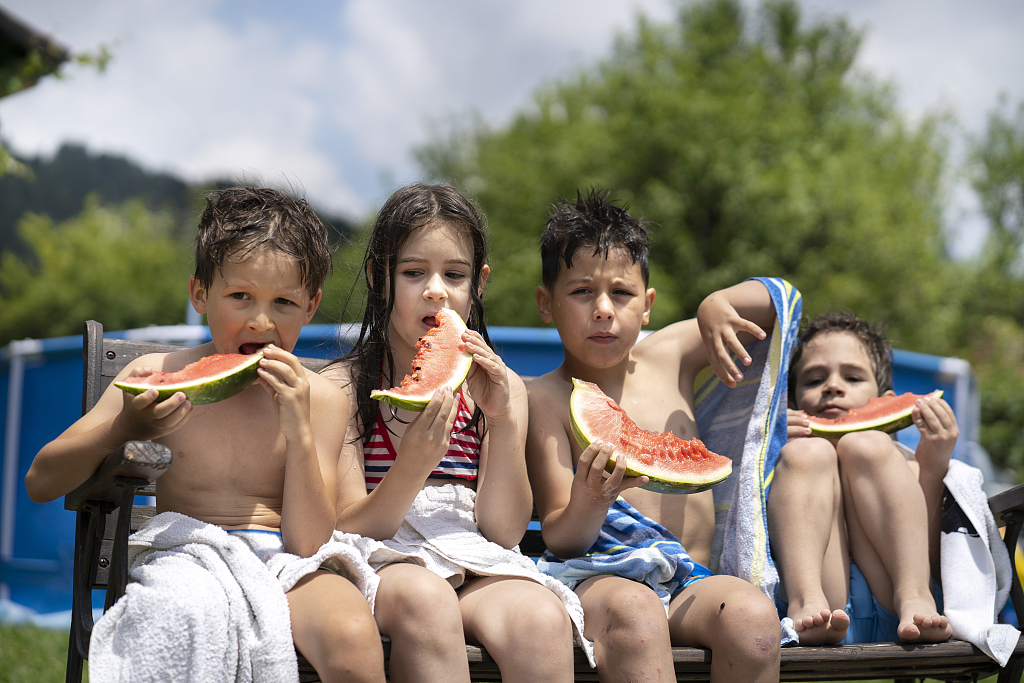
(40,396)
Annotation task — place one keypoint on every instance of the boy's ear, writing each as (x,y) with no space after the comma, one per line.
(197,294)
(648,303)
(369,272)
(485,273)
(312,306)
(889,393)
(543,303)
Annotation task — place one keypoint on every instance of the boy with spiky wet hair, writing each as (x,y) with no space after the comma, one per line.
(855,522)
(220,573)
(595,291)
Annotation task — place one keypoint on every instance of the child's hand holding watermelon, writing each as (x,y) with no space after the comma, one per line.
(935,421)
(488,377)
(144,419)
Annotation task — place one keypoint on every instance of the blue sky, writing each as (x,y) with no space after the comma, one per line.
(333,97)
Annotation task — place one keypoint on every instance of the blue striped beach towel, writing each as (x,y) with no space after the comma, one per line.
(748,424)
(632,546)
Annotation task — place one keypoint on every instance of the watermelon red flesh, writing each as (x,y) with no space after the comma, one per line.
(210,379)
(438,363)
(673,465)
(883,413)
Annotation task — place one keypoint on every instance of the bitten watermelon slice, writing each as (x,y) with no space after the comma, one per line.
(210,379)
(673,465)
(883,413)
(438,363)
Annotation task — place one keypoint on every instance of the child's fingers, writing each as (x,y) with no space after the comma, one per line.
(593,475)
(727,365)
(797,424)
(736,347)
(632,482)
(619,471)
(146,398)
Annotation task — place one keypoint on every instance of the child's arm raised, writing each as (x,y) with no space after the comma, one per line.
(937,424)
(71,458)
(731,318)
(311,453)
(572,506)
(504,501)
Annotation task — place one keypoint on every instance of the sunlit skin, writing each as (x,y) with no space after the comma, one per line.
(857,497)
(429,623)
(599,306)
(266,458)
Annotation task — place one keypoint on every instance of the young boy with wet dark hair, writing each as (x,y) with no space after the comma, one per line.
(595,291)
(854,522)
(219,572)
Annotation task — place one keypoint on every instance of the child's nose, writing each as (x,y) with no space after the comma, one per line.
(435,290)
(261,321)
(603,307)
(833,386)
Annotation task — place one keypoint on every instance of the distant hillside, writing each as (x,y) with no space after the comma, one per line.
(61,184)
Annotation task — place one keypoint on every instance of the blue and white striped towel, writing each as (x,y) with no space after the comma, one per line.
(748,424)
(635,547)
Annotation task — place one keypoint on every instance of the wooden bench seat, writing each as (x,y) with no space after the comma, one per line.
(101,544)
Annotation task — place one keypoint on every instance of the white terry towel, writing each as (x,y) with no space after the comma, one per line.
(201,606)
(975,565)
(441,530)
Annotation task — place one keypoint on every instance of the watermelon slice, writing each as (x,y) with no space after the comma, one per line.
(673,465)
(883,413)
(210,379)
(438,363)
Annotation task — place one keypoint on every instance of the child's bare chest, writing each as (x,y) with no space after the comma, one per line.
(228,451)
(659,406)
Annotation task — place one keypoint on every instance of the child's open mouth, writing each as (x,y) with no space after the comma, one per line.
(250,348)
(430,320)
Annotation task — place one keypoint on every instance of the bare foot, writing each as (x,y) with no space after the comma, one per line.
(926,627)
(823,628)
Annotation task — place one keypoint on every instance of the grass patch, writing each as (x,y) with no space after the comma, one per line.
(32,654)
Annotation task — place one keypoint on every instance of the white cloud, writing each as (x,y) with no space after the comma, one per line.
(333,97)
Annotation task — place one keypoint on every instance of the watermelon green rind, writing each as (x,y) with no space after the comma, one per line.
(894,420)
(658,482)
(401,397)
(205,390)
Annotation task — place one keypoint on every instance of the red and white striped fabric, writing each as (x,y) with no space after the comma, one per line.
(461,461)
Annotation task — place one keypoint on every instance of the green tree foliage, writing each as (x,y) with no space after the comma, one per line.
(751,144)
(991,326)
(120,265)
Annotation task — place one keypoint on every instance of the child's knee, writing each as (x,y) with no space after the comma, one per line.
(345,632)
(750,627)
(421,605)
(865,448)
(349,646)
(634,611)
(546,621)
(810,453)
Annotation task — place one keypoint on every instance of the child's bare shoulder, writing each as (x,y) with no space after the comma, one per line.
(548,388)
(678,344)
